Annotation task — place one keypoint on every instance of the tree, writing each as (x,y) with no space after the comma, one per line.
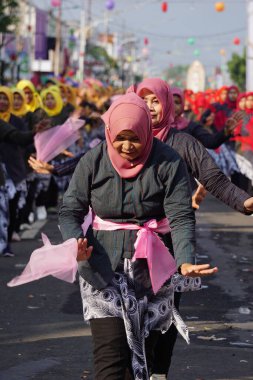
(176,75)
(237,69)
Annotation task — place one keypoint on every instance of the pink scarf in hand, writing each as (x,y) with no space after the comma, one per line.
(53,141)
(56,260)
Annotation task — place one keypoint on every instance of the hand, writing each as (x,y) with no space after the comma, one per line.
(197,270)
(77,113)
(40,167)
(198,196)
(83,252)
(42,125)
(67,153)
(232,122)
(248,204)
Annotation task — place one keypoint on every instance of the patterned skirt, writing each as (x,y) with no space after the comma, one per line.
(140,315)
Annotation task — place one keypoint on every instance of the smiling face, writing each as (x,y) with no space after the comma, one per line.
(153,104)
(49,101)
(128,145)
(28,95)
(4,102)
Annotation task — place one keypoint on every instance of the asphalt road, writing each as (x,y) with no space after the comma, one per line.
(43,336)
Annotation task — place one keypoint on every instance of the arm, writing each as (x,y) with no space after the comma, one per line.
(201,165)
(177,206)
(76,202)
(178,210)
(12,135)
(209,140)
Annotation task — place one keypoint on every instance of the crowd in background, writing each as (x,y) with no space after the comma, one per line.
(31,188)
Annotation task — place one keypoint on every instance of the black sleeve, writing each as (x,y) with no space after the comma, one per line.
(209,140)
(201,165)
(76,201)
(10,134)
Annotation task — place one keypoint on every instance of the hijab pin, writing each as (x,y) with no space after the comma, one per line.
(107,127)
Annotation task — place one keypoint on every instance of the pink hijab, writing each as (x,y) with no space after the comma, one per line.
(162,91)
(129,112)
(180,122)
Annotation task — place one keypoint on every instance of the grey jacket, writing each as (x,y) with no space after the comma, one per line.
(160,190)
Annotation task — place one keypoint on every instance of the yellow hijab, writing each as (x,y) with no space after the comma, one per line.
(23,109)
(58,100)
(36,101)
(7,114)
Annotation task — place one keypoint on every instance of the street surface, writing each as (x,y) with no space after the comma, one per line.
(43,336)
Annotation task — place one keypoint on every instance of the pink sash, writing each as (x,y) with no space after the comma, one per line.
(149,246)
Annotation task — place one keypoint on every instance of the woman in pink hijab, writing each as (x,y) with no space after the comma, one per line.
(134,185)
(158,97)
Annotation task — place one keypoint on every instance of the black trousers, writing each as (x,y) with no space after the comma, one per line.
(164,345)
(112,357)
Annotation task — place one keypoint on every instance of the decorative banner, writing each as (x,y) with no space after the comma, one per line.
(236,41)
(191,41)
(109,4)
(164,6)
(219,6)
(55,3)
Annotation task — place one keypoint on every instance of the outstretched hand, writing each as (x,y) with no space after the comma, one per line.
(83,252)
(39,166)
(232,122)
(201,270)
(248,204)
(198,197)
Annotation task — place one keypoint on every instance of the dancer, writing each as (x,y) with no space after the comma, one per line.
(129,180)
(158,97)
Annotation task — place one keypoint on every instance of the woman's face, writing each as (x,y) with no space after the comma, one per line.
(249,102)
(232,95)
(210,120)
(177,105)
(153,104)
(223,95)
(49,101)
(4,102)
(28,95)
(17,101)
(128,145)
(242,104)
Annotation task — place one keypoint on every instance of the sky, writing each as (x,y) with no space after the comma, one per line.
(168,32)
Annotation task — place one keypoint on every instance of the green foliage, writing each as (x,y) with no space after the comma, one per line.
(100,54)
(177,74)
(8,11)
(237,69)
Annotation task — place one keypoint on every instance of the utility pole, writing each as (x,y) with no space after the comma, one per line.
(85,25)
(57,56)
(249,52)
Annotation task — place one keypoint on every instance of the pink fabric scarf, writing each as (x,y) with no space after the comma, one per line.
(149,246)
(129,112)
(162,91)
(53,141)
(180,122)
(55,260)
